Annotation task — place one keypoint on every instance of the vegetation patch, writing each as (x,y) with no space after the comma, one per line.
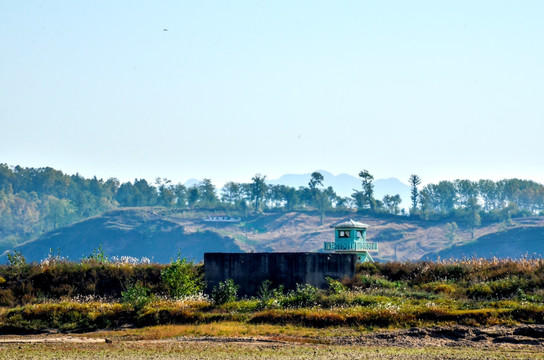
(392,295)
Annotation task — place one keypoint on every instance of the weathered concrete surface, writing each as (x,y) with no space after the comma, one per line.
(249,270)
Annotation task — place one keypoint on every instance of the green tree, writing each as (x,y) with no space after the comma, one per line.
(166,197)
(466,190)
(208,193)
(473,215)
(451,232)
(365,198)
(193,196)
(258,190)
(315,180)
(290,196)
(391,203)
(180,192)
(319,198)
(57,212)
(414,182)
(489,193)
(231,193)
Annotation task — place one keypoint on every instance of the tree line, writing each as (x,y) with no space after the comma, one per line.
(36,200)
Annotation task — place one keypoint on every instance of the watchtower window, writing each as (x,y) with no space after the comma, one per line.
(343,233)
(359,234)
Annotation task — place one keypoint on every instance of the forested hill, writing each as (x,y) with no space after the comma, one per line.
(34,201)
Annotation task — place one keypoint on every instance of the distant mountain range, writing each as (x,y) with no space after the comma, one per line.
(344,184)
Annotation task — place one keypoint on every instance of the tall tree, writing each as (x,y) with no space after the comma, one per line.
(231,192)
(365,198)
(319,198)
(193,195)
(258,190)
(473,215)
(414,182)
(315,180)
(180,192)
(451,232)
(466,190)
(208,193)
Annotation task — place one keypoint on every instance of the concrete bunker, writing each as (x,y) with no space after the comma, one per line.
(249,270)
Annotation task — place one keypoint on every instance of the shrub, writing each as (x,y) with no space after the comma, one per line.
(16,259)
(479,291)
(182,278)
(98,256)
(304,296)
(440,288)
(378,282)
(335,286)
(266,292)
(509,287)
(136,296)
(225,292)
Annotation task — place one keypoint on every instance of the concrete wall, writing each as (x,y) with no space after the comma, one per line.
(249,270)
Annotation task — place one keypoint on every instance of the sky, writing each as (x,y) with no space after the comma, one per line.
(228,89)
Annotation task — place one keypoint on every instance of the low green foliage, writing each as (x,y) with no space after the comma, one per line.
(224,292)
(304,295)
(136,295)
(98,256)
(16,258)
(374,281)
(381,295)
(182,278)
(267,292)
(335,286)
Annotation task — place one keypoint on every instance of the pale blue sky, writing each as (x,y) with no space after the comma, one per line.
(443,89)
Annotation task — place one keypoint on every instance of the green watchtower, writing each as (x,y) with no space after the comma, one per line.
(350,238)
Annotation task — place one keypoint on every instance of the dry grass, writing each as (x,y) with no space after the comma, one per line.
(295,333)
(215,350)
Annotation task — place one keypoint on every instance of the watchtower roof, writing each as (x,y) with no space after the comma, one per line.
(350,224)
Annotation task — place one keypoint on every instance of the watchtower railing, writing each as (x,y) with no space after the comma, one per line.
(351,246)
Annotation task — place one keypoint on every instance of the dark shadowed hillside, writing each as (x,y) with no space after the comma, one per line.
(515,243)
(136,232)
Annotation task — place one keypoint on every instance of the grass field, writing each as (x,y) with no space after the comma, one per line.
(248,350)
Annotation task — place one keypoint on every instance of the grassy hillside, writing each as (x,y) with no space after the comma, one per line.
(516,242)
(158,234)
(136,232)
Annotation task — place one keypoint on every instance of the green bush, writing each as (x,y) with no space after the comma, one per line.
(266,292)
(225,292)
(304,296)
(479,291)
(182,278)
(136,296)
(380,283)
(97,256)
(441,288)
(335,286)
(509,287)
(16,259)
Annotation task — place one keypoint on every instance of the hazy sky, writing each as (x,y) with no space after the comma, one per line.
(443,89)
